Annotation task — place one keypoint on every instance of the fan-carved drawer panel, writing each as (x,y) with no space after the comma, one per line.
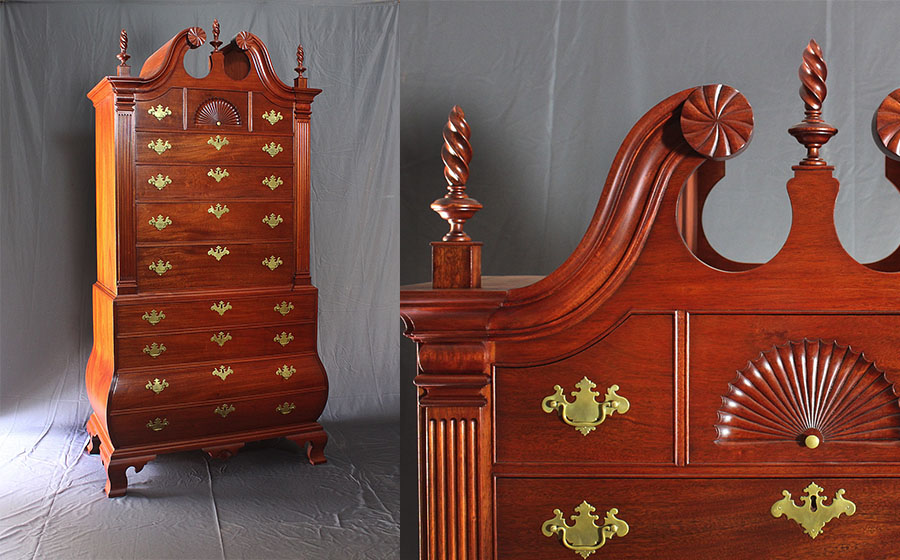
(163,315)
(217,381)
(720,519)
(213,182)
(216,109)
(593,406)
(234,265)
(794,388)
(154,350)
(212,147)
(161,222)
(269,117)
(163,112)
(229,416)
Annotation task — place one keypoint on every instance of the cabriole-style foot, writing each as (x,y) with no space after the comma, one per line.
(116,481)
(316,450)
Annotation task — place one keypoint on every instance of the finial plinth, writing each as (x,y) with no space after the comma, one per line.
(456,207)
(813,132)
(216,43)
(300,69)
(123,69)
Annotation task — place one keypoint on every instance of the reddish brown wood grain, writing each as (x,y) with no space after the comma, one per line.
(193,182)
(194,222)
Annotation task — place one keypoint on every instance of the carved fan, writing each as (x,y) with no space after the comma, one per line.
(217,111)
(809,392)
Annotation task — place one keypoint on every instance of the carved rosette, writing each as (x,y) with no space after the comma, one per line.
(242,40)
(717,121)
(196,37)
(810,392)
(887,123)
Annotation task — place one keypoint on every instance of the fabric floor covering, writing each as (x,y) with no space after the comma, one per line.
(266,502)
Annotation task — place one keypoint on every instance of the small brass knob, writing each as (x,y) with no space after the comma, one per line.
(812,441)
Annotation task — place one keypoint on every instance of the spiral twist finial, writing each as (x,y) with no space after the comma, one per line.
(123,46)
(456,207)
(300,69)
(215,42)
(813,132)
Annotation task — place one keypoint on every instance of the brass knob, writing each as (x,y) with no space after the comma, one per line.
(812,441)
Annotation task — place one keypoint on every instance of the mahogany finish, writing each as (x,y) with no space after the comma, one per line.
(204,313)
(741,380)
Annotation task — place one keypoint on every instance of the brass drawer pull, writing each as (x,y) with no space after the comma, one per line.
(157,386)
(160,223)
(220,338)
(218,210)
(218,252)
(273,149)
(154,350)
(218,174)
(813,514)
(158,424)
(271,220)
(220,307)
(272,182)
(160,267)
(585,413)
(272,116)
(285,371)
(159,181)
(272,262)
(153,317)
(585,537)
(284,338)
(160,146)
(224,410)
(286,408)
(159,112)
(222,372)
(217,142)
(284,308)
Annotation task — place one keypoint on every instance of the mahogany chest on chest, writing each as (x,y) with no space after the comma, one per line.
(204,312)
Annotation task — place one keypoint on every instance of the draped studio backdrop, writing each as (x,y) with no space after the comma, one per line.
(550,90)
(51,55)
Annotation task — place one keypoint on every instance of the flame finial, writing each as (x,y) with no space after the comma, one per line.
(123,46)
(300,69)
(456,207)
(216,43)
(813,132)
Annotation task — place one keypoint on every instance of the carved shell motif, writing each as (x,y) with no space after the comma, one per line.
(813,387)
(217,111)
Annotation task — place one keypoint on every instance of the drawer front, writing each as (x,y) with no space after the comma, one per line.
(727,519)
(171,221)
(160,113)
(640,431)
(212,182)
(155,316)
(191,422)
(794,388)
(154,350)
(200,147)
(192,266)
(220,381)
(271,118)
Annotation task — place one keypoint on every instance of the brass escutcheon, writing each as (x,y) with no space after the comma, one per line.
(218,252)
(284,308)
(813,514)
(159,112)
(222,372)
(272,182)
(158,424)
(285,408)
(220,338)
(273,149)
(160,146)
(272,262)
(224,410)
(271,220)
(272,116)
(218,210)
(585,537)
(585,413)
(284,338)
(160,267)
(154,350)
(153,317)
(217,142)
(218,174)
(159,181)
(220,307)
(157,386)
(160,223)
(285,371)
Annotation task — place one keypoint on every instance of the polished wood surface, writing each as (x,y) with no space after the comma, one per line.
(204,313)
(744,379)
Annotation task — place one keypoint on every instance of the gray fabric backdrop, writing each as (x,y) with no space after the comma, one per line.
(550,89)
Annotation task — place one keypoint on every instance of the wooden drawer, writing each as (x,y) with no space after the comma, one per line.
(194,182)
(146,351)
(192,422)
(191,266)
(169,386)
(214,313)
(727,519)
(162,112)
(195,147)
(643,434)
(777,380)
(277,120)
(160,222)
